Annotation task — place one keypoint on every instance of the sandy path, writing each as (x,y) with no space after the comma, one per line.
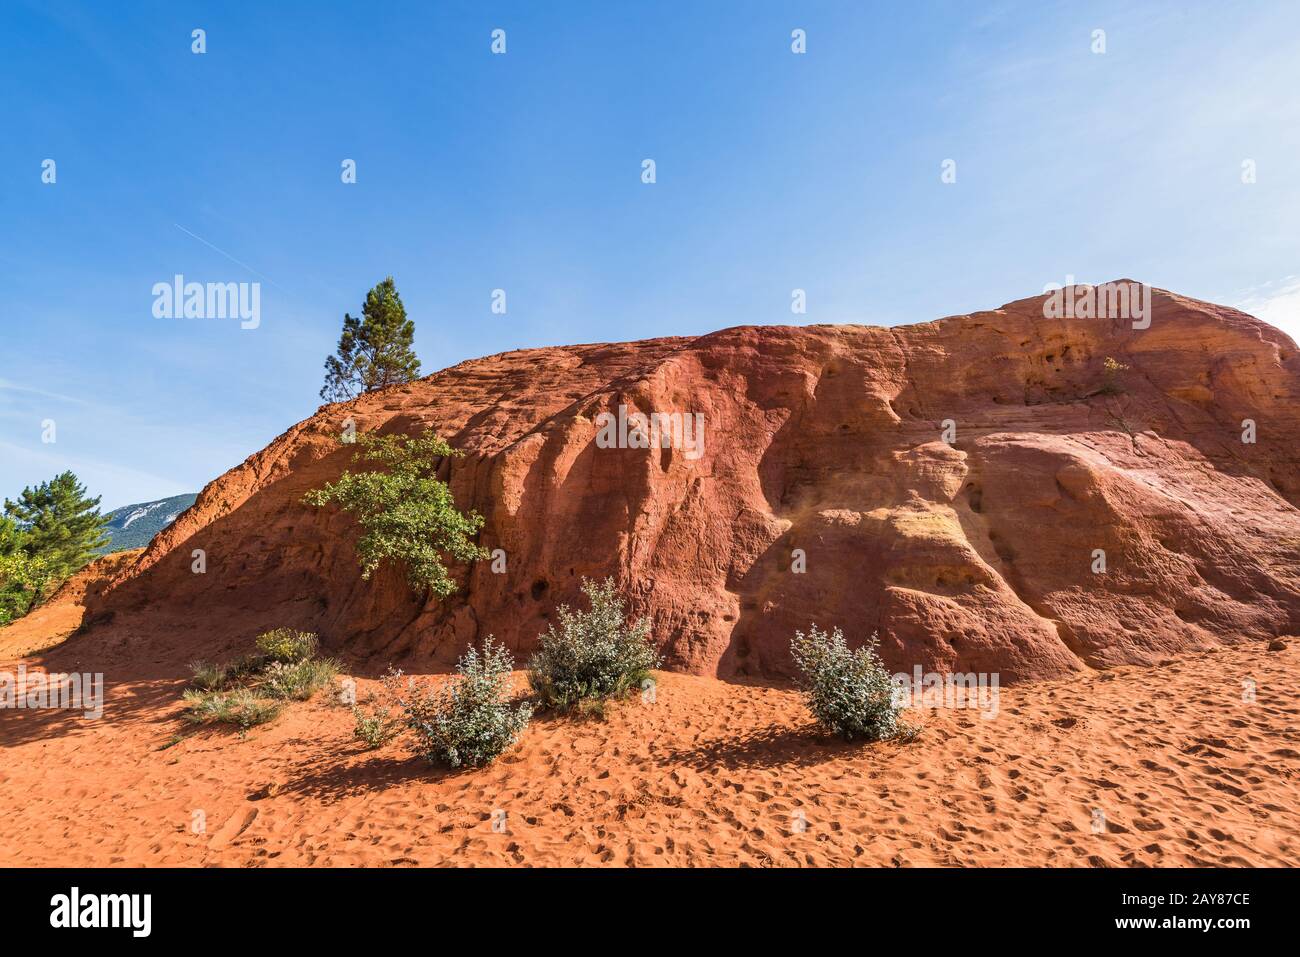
(1186,772)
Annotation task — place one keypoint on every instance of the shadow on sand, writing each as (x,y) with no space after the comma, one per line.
(775,746)
(338,776)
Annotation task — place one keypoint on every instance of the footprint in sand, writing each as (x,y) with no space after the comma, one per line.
(234,826)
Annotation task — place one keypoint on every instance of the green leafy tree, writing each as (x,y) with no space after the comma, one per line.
(375,350)
(11,536)
(406,514)
(59,523)
(24,579)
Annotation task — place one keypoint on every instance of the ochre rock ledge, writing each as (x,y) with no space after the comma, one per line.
(973,556)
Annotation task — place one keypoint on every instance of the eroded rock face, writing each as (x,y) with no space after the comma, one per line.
(976,555)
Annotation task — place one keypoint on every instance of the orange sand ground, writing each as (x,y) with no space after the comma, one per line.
(712,774)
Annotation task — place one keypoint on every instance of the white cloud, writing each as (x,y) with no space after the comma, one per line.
(1277,303)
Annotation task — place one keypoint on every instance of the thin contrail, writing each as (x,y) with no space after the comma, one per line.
(228,256)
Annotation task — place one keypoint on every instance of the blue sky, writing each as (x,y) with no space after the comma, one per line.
(522,171)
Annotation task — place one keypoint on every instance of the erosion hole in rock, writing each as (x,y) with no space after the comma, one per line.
(539,589)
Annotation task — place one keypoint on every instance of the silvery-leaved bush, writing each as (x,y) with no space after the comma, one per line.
(469,719)
(594,654)
(848,692)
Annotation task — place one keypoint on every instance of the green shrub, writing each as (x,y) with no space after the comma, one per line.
(250,690)
(25,580)
(381,719)
(374,729)
(240,708)
(298,681)
(406,514)
(215,677)
(207,677)
(468,719)
(594,655)
(848,692)
(286,646)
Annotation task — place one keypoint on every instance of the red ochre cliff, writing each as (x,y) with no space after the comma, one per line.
(974,555)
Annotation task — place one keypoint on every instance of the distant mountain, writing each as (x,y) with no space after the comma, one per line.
(134,526)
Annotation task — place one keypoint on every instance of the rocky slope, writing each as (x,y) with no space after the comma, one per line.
(976,555)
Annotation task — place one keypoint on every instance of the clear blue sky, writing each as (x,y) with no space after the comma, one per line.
(523,172)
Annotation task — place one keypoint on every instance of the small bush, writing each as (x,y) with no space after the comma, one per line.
(467,720)
(250,690)
(382,719)
(246,667)
(594,654)
(1112,376)
(297,682)
(374,729)
(286,646)
(848,692)
(240,708)
(207,677)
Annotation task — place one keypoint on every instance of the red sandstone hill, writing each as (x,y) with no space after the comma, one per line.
(975,556)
